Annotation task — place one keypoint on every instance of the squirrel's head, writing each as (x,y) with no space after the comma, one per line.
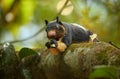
(55,29)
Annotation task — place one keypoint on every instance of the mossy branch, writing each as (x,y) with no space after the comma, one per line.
(76,62)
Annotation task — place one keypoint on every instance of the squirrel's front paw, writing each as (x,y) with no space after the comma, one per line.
(51,44)
(47,44)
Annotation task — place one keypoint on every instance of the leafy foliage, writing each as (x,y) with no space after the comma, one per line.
(24,52)
(104,71)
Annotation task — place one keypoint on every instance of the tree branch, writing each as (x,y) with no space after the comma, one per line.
(15,41)
(22,40)
(61,10)
(76,62)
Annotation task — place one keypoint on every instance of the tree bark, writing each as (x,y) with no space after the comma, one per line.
(76,62)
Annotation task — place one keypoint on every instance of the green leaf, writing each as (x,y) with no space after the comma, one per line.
(24,52)
(104,71)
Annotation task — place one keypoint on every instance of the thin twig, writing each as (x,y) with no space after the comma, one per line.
(15,41)
(13,6)
(28,37)
(114,45)
(61,10)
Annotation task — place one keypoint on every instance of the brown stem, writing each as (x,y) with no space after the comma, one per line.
(114,45)
(63,7)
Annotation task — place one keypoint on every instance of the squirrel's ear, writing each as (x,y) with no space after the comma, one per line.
(60,23)
(58,20)
(46,22)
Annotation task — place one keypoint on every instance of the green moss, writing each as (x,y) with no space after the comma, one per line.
(79,45)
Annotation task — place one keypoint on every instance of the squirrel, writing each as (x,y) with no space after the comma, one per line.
(62,35)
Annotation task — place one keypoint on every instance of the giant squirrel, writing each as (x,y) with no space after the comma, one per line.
(63,34)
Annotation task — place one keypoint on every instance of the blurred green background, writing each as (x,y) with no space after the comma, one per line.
(24,19)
